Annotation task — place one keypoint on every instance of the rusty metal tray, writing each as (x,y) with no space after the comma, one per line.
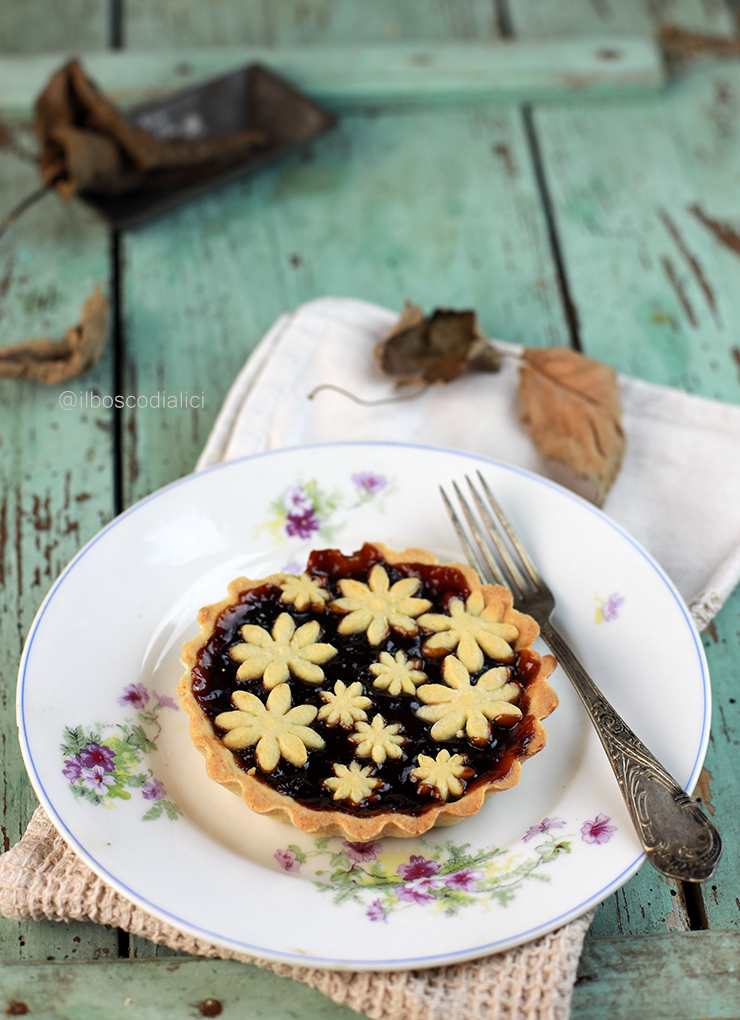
(251,97)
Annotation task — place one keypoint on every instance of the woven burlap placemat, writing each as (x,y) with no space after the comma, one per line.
(42,877)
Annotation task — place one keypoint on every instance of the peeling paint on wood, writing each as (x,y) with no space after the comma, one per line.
(47,456)
(692,262)
(724,232)
(703,793)
(692,975)
(502,150)
(35,26)
(678,288)
(735,355)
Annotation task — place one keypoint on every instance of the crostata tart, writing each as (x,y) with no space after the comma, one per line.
(379,693)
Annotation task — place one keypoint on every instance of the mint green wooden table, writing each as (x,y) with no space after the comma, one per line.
(528,158)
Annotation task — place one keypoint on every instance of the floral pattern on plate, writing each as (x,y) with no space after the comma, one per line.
(607,609)
(305,510)
(446,877)
(369,485)
(104,763)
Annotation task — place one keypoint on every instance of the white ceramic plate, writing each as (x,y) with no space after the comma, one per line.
(108,751)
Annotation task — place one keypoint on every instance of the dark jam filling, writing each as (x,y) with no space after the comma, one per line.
(214,681)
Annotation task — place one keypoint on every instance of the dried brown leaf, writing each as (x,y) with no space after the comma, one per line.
(50,361)
(572,408)
(87,145)
(437,348)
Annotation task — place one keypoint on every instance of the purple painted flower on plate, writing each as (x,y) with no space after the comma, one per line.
(165,701)
(419,891)
(465,880)
(545,824)
(599,830)
(153,790)
(97,779)
(362,852)
(303,524)
(608,609)
(98,755)
(375,912)
(369,482)
(418,867)
(297,500)
(136,695)
(287,860)
(72,768)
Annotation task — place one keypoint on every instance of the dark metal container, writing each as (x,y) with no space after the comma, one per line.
(252,97)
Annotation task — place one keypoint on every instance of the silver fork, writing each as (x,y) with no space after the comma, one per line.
(678,838)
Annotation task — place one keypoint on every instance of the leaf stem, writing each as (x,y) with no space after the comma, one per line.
(369,403)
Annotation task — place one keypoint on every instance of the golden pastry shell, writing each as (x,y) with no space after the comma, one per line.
(537,702)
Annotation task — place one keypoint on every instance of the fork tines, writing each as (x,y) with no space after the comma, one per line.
(492,544)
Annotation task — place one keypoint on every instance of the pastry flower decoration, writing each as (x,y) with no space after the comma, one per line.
(457,705)
(376,607)
(396,675)
(278,730)
(472,629)
(274,657)
(441,775)
(352,782)
(345,706)
(303,592)
(377,740)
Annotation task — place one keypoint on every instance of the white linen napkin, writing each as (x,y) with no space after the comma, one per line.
(678,491)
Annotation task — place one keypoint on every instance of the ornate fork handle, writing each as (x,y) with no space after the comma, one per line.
(677,836)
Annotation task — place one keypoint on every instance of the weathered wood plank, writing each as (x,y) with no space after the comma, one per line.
(709,145)
(55,480)
(719,788)
(202,284)
(160,990)
(654,290)
(352,76)
(169,24)
(42,26)
(628,17)
(690,976)
(639,295)
(648,904)
(644,273)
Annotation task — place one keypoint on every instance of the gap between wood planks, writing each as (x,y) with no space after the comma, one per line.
(118,342)
(569,309)
(125,949)
(506,31)
(117,338)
